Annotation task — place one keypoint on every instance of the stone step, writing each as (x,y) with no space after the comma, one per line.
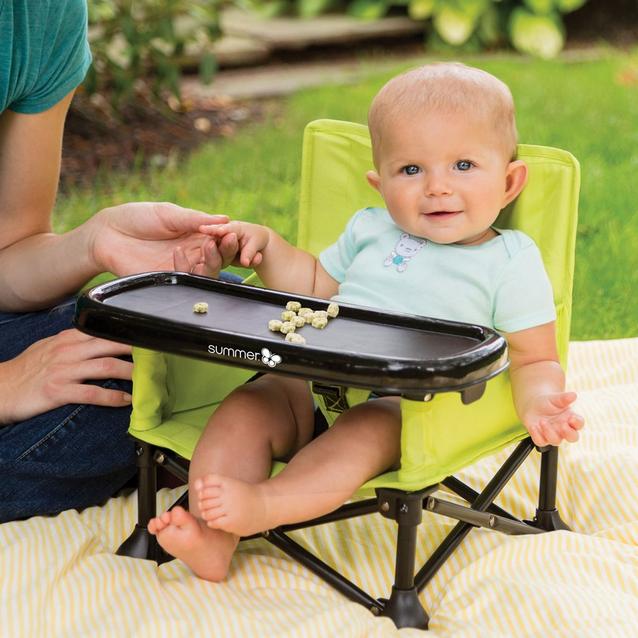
(298,33)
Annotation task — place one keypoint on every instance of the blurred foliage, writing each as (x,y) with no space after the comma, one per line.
(530,26)
(138,46)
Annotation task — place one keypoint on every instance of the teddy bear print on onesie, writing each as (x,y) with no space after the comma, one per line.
(406,247)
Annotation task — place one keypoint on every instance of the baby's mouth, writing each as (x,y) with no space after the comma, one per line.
(442,213)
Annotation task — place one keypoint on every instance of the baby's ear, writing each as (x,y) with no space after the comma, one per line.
(515,180)
(374,180)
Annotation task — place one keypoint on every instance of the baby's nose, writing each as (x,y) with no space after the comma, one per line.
(437,185)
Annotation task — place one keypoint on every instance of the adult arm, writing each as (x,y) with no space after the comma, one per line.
(39,267)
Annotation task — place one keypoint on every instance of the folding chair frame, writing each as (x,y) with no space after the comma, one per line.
(405,508)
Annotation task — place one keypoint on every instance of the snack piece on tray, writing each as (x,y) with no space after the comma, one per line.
(293,305)
(293,337)
(288,315)
(306,313)
(319,322)
(286,327)
(299,321)
(201,307)
(275,325)
(333,309)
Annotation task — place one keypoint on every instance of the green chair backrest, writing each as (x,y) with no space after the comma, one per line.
(337,155)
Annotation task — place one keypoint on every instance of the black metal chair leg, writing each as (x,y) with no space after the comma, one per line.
(547,516)
(403,606)
(141,543)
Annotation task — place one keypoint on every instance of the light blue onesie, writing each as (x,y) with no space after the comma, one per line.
(501,283)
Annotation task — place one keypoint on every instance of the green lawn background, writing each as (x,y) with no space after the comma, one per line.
(588,107)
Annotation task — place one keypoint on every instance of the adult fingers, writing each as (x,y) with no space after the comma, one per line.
(180,261)
(102,368)
(86,394)
(211,261)
(73,345)
(186,219)
(228,248)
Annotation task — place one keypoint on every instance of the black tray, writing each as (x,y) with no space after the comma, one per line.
(385,352)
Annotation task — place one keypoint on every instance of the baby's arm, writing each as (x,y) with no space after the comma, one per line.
(538,387)
(279,264)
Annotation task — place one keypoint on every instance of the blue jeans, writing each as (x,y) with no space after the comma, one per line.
(72,456)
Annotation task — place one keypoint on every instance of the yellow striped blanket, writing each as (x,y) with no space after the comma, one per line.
(59,577)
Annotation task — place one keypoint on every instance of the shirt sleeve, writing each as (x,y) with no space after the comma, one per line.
(524,297)
(65,57)
(336,259)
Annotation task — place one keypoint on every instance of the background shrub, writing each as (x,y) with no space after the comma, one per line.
(137,45)
(530,26)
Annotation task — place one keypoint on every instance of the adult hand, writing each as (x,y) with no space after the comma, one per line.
(52,372)
(214,256)
(141,237)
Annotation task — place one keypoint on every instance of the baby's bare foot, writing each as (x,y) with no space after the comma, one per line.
(232,505)
(206,551)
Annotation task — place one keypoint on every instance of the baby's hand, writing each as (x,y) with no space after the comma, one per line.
(252,239)
(549,419)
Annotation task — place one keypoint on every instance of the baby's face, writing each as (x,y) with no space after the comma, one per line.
(445,176)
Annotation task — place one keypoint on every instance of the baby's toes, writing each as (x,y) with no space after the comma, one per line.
(153,527)
(210,480)
(214,491)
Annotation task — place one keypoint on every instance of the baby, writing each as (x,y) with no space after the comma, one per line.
(444,143)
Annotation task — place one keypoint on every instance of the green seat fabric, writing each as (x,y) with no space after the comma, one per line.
(174,396)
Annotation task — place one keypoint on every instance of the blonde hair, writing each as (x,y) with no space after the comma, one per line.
(450,87)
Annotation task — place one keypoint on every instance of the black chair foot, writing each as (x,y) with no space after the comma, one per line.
(142,544)
(549,520)
(405,610)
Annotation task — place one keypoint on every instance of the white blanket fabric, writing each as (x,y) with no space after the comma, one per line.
(60,577)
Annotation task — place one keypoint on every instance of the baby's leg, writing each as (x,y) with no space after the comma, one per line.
(269,418)
(363,442)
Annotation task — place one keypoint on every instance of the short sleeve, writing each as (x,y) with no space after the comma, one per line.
(64,58)
(336,259)
(524,297)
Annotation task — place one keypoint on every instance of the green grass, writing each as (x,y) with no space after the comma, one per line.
(579,106)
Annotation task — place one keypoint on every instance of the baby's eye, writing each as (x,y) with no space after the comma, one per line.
(410,169)
(464,165)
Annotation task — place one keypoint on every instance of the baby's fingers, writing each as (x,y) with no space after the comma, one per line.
(549,432)
(562,400)
(219,230)
(567,432)
(576,422)
(537,436)
(250,253)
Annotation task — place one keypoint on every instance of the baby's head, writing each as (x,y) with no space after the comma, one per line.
(444,142)
(448,87)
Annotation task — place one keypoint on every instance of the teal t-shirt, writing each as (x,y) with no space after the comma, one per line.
(501,283)
(44,52)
